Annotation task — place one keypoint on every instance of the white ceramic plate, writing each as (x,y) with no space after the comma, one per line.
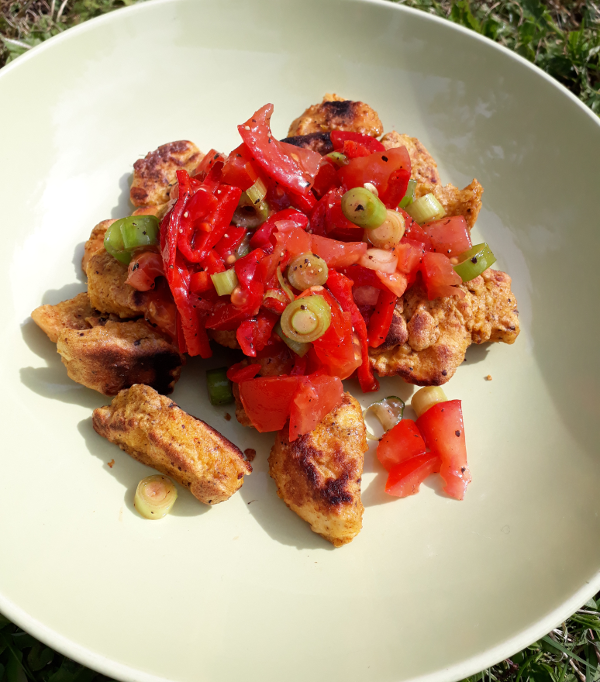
(431,588)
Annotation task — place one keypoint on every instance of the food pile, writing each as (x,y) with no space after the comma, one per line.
(333,253)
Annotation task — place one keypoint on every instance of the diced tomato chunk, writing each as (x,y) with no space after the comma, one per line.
(449,236)
(335,253)
(316,397)
(406,477)
(401,442)
(444,434)
(440,277)
(267,401)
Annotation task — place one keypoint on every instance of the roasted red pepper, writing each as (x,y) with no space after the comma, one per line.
(381,319)
(341,288)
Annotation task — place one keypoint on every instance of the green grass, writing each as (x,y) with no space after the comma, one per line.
(562,38)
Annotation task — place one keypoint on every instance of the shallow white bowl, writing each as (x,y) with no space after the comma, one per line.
(431,588)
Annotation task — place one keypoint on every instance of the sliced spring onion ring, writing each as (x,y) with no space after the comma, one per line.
(307,270)
(219,386)
(297,347)
(379,259)
(284,285)
(225,282)
(248,215)
(277,294)
(427,397)
(363,208)
(473,262)
(338,159)
(425,208)
(306,319)
(155,496)
(257,192)
(389,233)
(130,233)
(388,411)
(409,197)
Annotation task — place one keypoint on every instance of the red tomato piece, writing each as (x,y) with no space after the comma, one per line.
(443,430)
(439,277)
(413,232)
(200,282)
(326,179)
(315,398)
(294,239)
(406,477)
(144,268)
(401,442)
(410,255)
(242,372)
(338,137)
(239,169)
(284,163)
(377,169)
(267,401)
(396,282)
(449,236)
(335,253)
(254,334)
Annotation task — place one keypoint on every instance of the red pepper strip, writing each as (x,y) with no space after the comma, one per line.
(304,203)
(226,316)
(253,335)
(200,282)
(213,263)
(217,224)
(230,241)
(338,137)
(362,277)
(171,223)
(242,372)
(381,319)
(196,339)
(207,163)
(271,156)
(396,188)
(326,179)
(341,288)
(239,169)
(262,236)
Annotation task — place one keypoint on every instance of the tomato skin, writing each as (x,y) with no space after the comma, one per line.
(339,137)
(449,236)
(400,443)
(335,253)
(242,372)
(239,169)
(315,398)
(144,268)
(405,478)
(439,277)
(377,168)
(267,401)
(443,430)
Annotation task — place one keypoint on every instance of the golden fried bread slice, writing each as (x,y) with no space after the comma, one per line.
(95,242)
(465,202)
(107,289)
(336,113)
(423,167)
(224,337)
(319,475)
(71,314)
(113,355)
(156,432)
(439,332)
(154,174)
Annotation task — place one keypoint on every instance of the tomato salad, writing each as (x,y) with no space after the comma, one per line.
(303,257)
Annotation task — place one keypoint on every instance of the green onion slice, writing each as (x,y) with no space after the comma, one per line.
(127,234)
(284,285)
(389,233)
(426,208)
(473,262)
(338,159)
(297,347)
(307,270)
(219,386)
(306,319)
(257,192)
(363,208)
(225,282)
(388,411)
(409,197)
(155,496)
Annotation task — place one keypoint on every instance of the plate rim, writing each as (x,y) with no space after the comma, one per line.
(523,638)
